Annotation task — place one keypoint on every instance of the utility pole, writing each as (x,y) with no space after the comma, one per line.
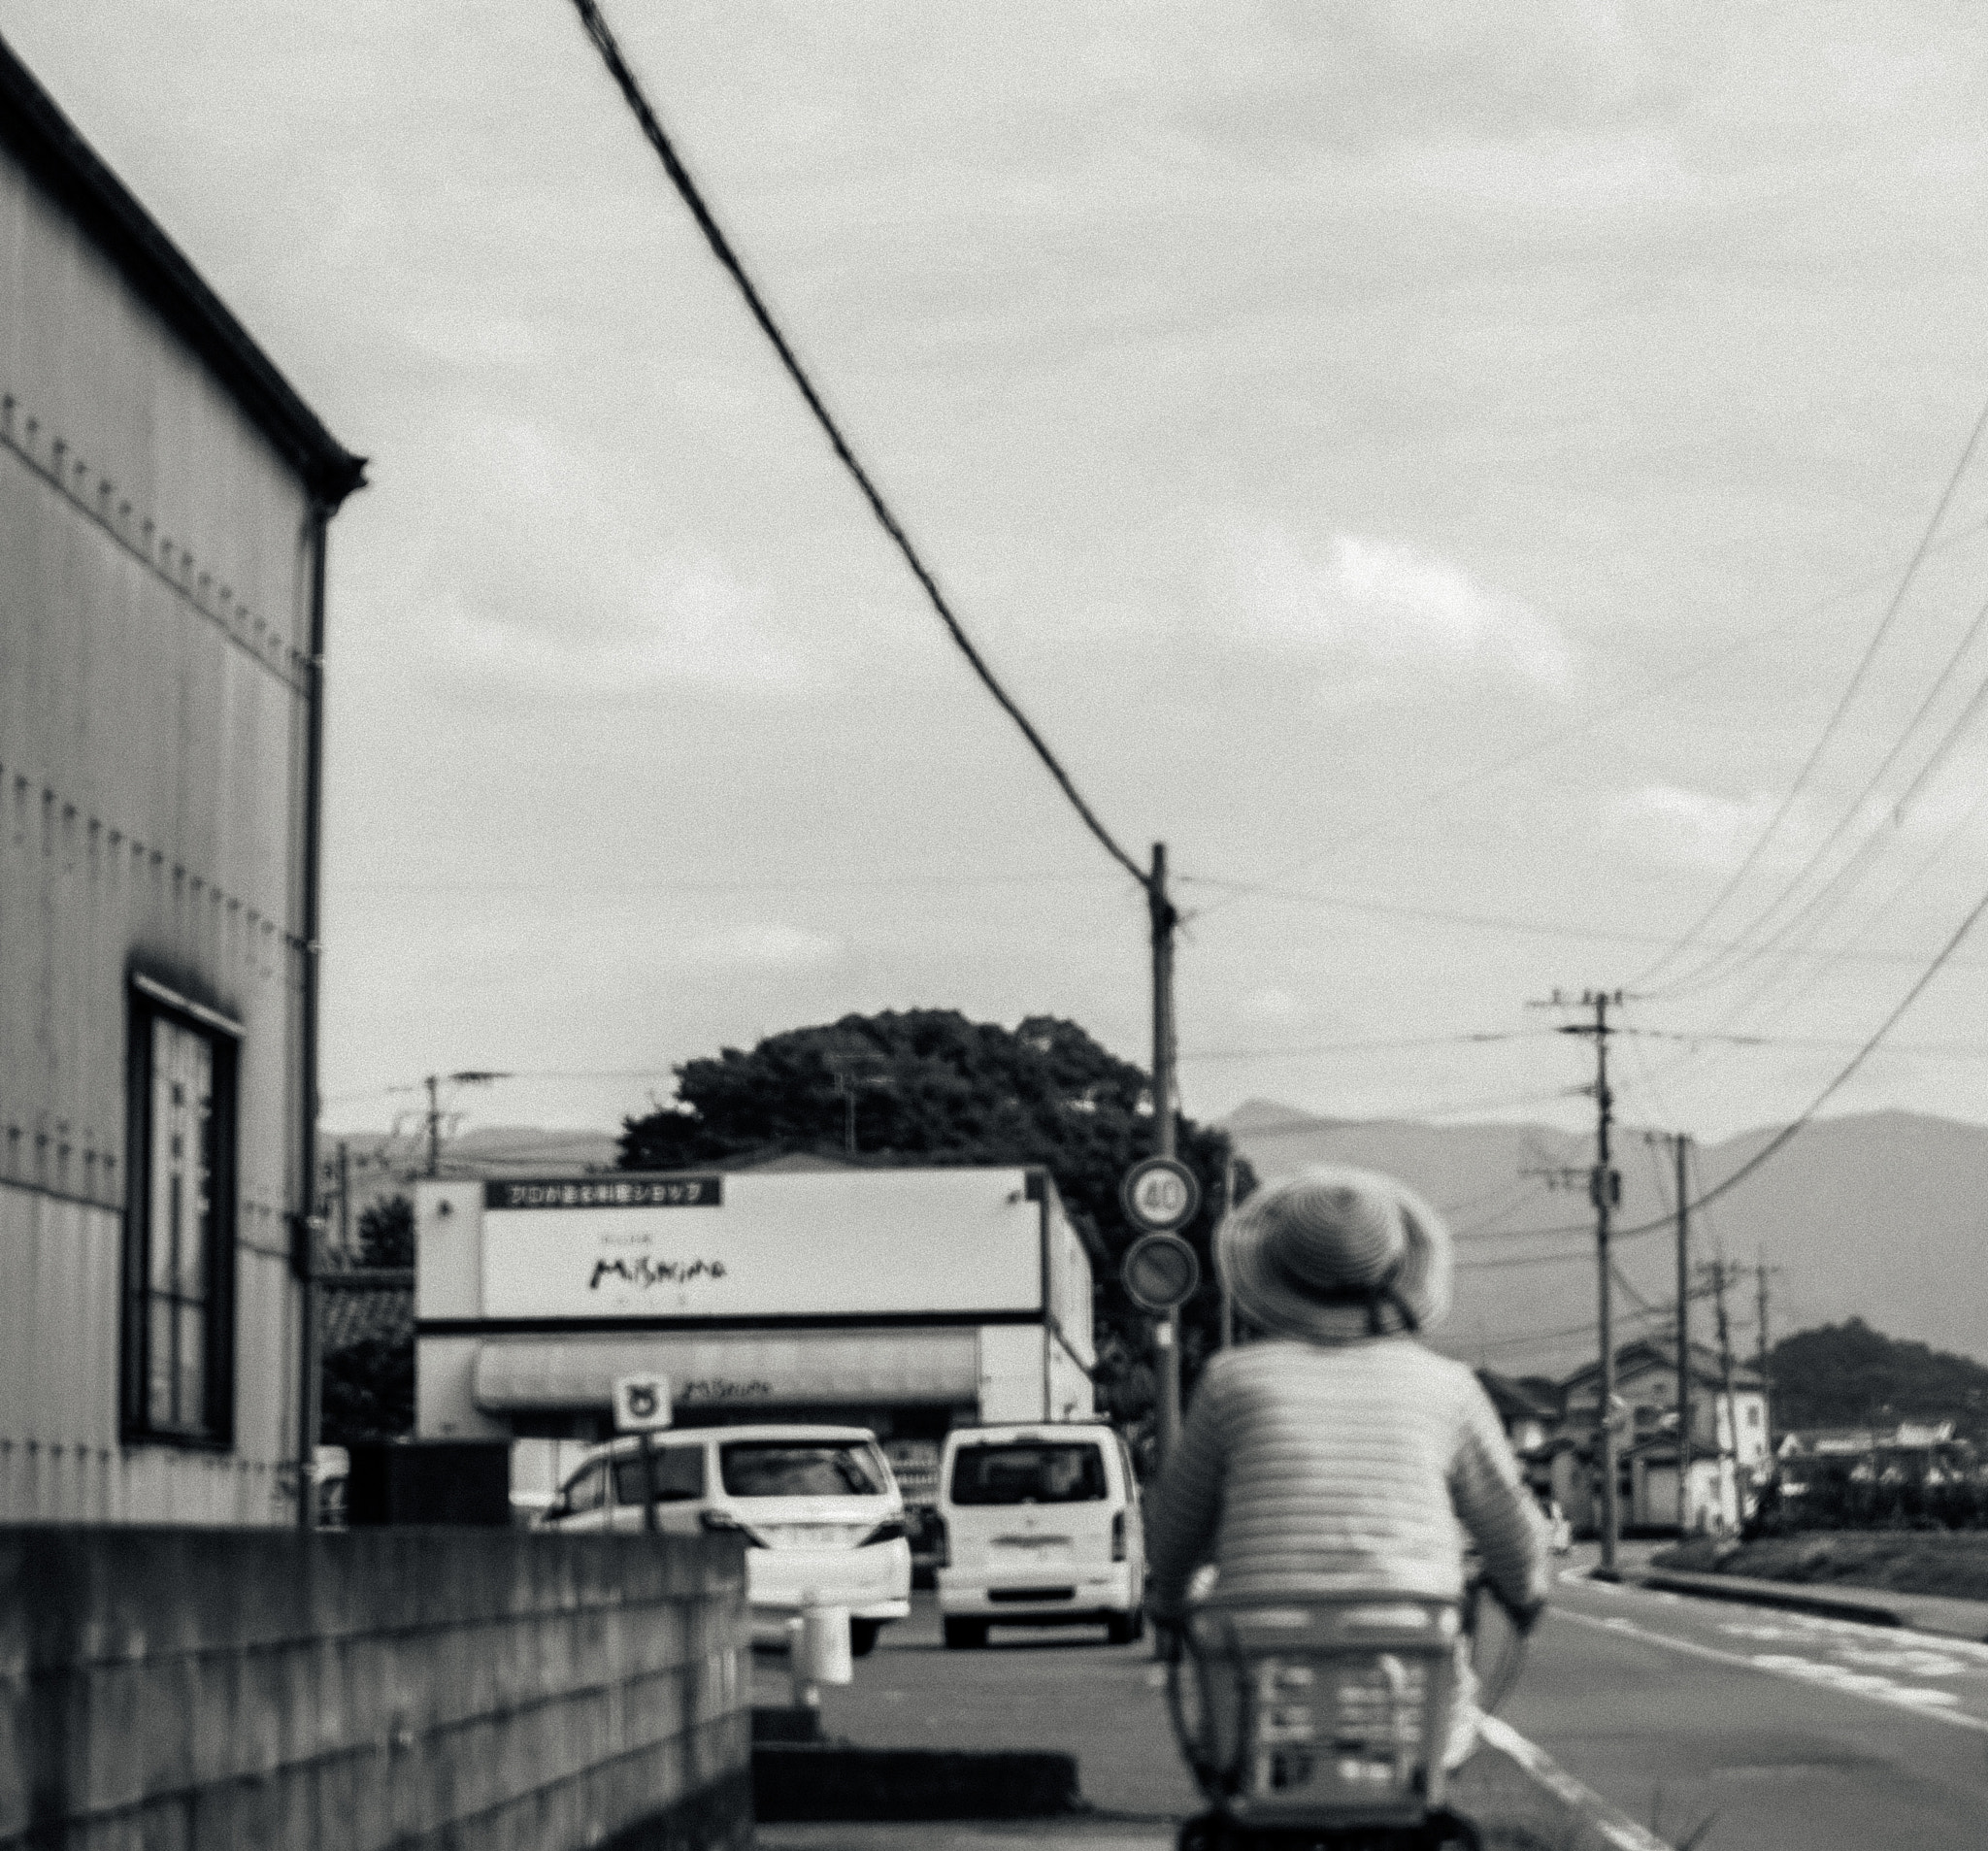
(345,1201)
(1681,1146)
(470,1077)
(1761,1272)
(1166,1327)
(1723,1275)
(1604,1190)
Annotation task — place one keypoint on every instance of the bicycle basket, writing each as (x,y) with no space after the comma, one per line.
(1324,1712)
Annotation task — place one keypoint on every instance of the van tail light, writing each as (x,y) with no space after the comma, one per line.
(722,1523)
(1118,1539)
(890,1530)
(940,1543)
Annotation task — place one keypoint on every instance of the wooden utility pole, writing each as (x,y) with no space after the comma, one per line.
(434,1125)
(344,1201)
(1604,1190)
(1682,1145)
(1722,1274)
(1166,1326)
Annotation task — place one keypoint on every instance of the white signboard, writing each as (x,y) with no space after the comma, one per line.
(642,1404)
(814,1242)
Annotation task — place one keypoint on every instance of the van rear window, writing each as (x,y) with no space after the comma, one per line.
(795,1468)
(1048,1472)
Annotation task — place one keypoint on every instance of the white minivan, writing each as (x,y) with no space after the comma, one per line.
(817,1508)
(1041,1528)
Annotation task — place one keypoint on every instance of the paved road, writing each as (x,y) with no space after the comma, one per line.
(1799,1733)
(1059,1688)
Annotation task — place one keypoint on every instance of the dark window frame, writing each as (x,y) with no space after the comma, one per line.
(150,1003)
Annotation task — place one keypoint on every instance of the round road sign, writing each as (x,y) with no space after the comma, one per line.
(1160,1195)
(1160,1272)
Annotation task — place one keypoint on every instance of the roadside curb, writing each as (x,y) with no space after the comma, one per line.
(1791,1599)
(833,1782)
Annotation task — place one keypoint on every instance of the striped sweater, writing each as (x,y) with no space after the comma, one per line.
(1304,1469)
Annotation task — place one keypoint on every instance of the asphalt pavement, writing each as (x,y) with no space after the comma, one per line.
(1066,1689)
(1788,1732)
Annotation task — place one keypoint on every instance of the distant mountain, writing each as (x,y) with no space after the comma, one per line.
(1883,1217)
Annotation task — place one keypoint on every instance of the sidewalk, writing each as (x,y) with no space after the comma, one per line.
(1871,1606)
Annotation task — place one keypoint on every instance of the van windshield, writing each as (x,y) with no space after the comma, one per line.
(1047,1471)
(802,1468)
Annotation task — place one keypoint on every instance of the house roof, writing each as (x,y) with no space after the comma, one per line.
(1644,1355)
(69,169)
(1514,1401)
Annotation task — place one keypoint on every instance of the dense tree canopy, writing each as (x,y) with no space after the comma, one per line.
(930,1087)
(1851,1375)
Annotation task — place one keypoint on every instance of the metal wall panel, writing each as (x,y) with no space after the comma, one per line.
(154,607)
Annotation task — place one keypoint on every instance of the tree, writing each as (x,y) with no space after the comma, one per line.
(930,1087)
(387,1233)
(1849,1375)
(369,1375)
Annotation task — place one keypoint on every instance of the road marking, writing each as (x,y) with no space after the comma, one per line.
(1913,1702)
(1617,1828)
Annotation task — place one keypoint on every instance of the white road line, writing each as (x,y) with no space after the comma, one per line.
(1617,1828)
(1876,1689)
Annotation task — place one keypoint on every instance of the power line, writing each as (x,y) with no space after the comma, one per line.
(598,31)
(1360,1047)
(1789,1132)
(1487,921)
(1843,707)
(1855,869)
(1645,693)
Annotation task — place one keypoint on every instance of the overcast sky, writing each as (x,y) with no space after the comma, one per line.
(1442,463)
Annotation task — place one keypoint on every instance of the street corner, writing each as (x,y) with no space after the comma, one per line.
(1523,1799)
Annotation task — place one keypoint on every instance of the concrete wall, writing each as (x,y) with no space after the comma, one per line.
(186,1688)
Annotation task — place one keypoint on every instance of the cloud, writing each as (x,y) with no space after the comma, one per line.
(1397,609)
(692,623)
(760,946)
(1691,827)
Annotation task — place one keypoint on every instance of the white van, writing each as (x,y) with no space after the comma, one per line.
(1041,1528)
(817,1508)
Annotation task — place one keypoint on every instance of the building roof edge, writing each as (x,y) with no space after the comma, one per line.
(77,178)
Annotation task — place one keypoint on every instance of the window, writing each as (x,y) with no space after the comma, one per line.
(179,1225)
(791,1469)
(586,1489)
(1056,1471)
(678,1469)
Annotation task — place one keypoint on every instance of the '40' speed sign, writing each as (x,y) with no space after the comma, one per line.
(1160,1195)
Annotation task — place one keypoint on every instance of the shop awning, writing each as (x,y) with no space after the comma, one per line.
(876,1368)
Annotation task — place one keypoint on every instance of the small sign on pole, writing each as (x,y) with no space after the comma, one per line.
(641,1405)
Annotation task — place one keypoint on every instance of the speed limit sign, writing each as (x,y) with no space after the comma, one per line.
(1159,1195)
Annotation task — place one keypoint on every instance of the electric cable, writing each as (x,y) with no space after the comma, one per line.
(1843,707)
(1645,693)
(597,29)
(1857,867)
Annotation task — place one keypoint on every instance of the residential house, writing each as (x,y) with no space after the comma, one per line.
(1729,1438)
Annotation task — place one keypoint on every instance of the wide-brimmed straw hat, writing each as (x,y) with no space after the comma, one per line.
(1334,1255)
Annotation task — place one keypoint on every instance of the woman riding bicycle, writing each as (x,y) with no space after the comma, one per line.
(1335,1454)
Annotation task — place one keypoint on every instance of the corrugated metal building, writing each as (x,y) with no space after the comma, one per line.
(163,501)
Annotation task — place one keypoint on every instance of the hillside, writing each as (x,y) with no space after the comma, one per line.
(1879,1216)
(1851,1375)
